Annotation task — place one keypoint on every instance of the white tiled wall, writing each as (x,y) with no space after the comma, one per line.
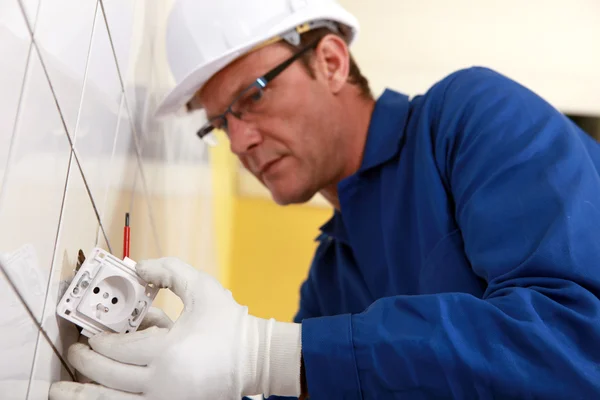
(78,149)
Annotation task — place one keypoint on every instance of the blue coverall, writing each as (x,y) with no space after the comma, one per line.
(465,261)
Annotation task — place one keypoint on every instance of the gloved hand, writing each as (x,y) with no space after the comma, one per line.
(215,350)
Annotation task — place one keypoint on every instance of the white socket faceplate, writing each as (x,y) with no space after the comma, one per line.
(106,294)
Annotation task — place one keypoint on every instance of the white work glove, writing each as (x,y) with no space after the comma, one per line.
(215,350)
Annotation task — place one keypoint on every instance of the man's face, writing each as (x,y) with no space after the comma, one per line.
(291,141)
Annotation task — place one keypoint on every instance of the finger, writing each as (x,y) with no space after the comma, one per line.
(173,274)
(78,375)
(137,348)
(107,372)
(81,391)
(156,317)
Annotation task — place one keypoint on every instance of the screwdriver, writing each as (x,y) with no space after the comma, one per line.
(126,236)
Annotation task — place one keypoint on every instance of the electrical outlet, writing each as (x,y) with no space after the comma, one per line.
(106,294)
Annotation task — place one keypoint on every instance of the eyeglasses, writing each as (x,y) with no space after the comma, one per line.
(249,101)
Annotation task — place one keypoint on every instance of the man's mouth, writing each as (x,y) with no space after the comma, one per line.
(269,166)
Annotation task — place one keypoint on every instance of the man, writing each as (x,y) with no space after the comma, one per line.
(462,258)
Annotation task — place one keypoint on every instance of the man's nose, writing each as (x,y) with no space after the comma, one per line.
(243,136)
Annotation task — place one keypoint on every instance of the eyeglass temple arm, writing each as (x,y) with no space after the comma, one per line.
(269,76)
(277,70)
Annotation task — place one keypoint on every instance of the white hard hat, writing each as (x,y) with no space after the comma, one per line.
(204,36)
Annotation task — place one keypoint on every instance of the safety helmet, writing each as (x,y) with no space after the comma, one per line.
(205,36)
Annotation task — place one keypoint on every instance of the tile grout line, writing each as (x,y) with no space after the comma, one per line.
(112,157)
(87,188)
(50,277)
(33,364)
(112,46)
(136,134)
(141,175)
(106,239)
(123,100)
(114,53)
(138,149)
(114,149)
(13,138)
(43,64)
(30,28)
(72,153)
(133,128)
(62,118)
(136,139)
(34,47)
(59,229)
(35,321)
(85,74)
(71,141)
(145,181)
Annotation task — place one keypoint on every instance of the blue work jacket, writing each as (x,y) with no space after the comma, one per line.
(465,260)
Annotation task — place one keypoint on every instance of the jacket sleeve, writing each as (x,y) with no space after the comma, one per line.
(527,203)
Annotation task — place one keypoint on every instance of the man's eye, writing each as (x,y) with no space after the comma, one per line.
(249,102)
(256,96)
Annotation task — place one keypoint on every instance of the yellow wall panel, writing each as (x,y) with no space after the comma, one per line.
(224,167)
(272,248)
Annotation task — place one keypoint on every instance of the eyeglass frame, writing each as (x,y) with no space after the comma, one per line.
(260,83)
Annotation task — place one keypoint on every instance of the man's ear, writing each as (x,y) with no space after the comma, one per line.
(333,61)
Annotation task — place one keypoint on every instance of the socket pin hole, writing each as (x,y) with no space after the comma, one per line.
(68,300)
(96,290)
(67,312)
(126,331)
(114,300)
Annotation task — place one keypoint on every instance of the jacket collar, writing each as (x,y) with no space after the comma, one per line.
(386,129)
(334,228)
